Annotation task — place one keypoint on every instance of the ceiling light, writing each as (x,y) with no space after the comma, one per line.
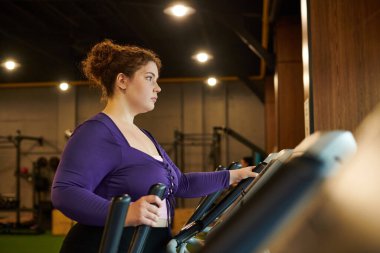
(179,10)
(202,57)
(212,81)
(10,65)
(64,86)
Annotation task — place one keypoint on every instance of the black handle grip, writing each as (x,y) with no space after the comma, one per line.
(234,166)
(158,190)
(206,202)
(220,168)
(230,197)
(198,225)
(141,233)
(114,224)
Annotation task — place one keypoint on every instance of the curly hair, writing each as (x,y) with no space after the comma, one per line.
(106,60)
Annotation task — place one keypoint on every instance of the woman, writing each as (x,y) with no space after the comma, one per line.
(109,155)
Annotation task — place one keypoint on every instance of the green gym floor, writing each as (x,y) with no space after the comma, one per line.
(43,243)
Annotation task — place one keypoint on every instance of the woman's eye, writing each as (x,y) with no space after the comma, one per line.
(149,78)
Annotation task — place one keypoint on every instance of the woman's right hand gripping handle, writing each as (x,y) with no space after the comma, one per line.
(144,211)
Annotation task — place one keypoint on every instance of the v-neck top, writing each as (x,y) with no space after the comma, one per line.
(98,163)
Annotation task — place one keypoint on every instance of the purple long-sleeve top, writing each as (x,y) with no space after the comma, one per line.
(98,163)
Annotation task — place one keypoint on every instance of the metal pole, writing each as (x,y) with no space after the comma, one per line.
(17,141)
(17,174)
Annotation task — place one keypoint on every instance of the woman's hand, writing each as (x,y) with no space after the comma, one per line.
(144,211)
(237,175)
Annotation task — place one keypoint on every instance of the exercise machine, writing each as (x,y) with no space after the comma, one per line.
(113,228)
(288,190)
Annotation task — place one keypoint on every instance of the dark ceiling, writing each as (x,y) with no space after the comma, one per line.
(50,38)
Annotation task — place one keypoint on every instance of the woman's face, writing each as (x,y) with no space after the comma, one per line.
(142,88)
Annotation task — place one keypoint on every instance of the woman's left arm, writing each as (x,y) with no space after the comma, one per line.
(199,184)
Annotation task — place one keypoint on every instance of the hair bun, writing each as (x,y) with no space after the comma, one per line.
(98,60)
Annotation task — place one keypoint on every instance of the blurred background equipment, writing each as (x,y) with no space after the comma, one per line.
(17,141)
(68,133)
(40,179)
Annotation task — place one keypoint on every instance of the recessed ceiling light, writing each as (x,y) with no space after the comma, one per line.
(64,86)
(212,81)
(10,65)
(179,10)
(202,57)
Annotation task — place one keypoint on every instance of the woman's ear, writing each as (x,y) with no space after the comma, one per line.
(121,81)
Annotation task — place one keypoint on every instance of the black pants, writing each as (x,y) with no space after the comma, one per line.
(86,239)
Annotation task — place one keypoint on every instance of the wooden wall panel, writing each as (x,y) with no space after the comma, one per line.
(289,93)
(291,124)
(270,116)
(345,46)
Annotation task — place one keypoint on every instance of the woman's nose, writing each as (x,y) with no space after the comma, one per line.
(157,88)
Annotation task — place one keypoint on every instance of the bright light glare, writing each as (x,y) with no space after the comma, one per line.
(10,65)
(179,10)
(64,86)
(202,57)
(211,81)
